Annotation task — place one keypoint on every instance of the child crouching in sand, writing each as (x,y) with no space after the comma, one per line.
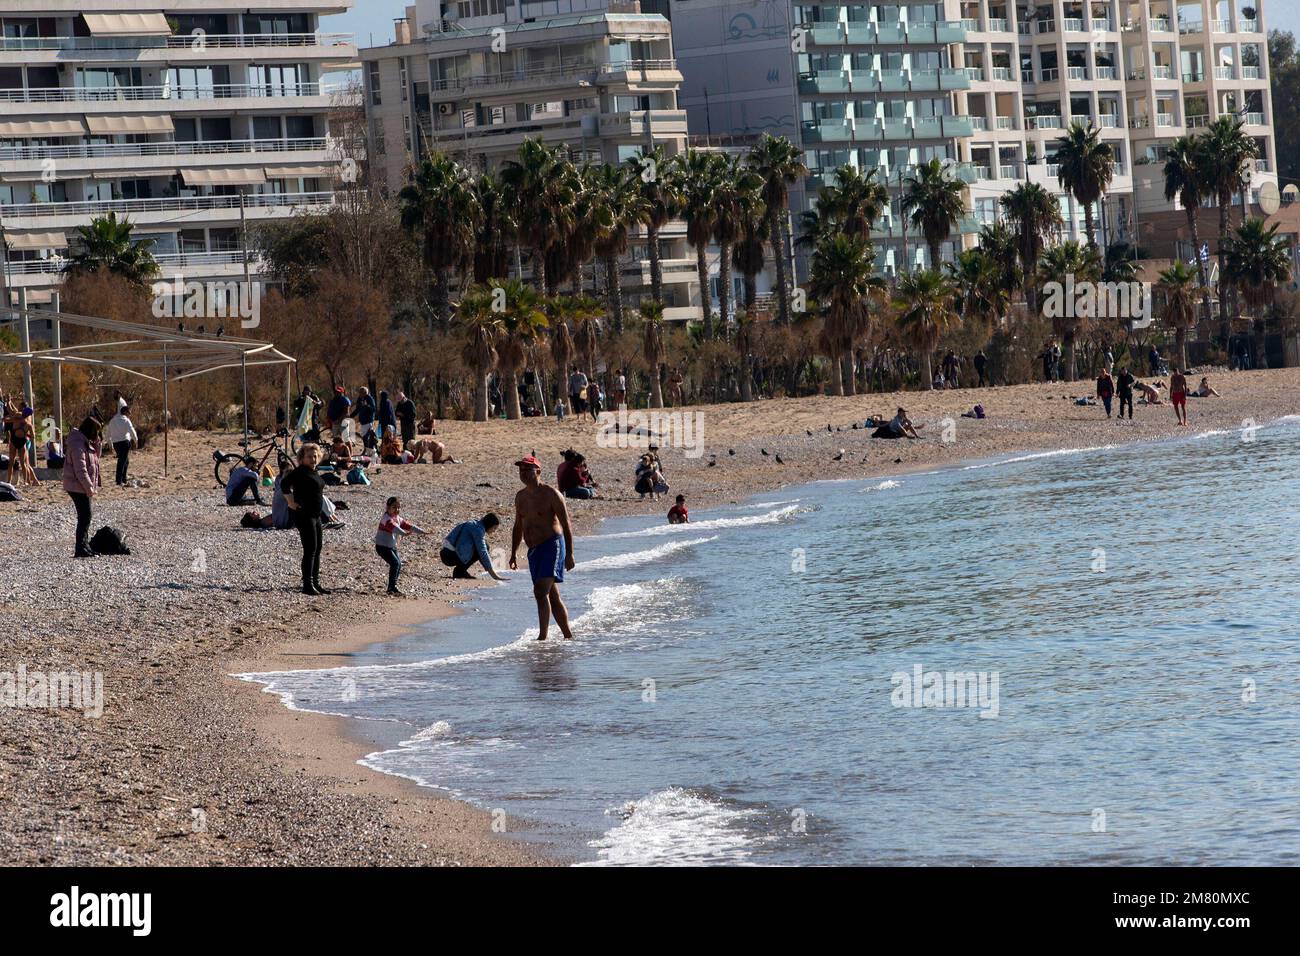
(390,527)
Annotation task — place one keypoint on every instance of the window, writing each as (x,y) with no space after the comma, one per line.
(372,77)
(465,9)
(401,78)
(377,138)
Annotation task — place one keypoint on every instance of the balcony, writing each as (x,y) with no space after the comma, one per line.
(982,172)
(1046,26)
(1248,26)
(210,41)
(170,262)
(1251,73)
(1162,72)
(1261,165)
(1253,119)
(1186,27)
(825,81)
(972,26)
(1042,122)
(828,34)
(975,73)
(1193,77)
(1225,73)
(1220,26)
(1076,72)
(1165,119)
(126,94)
(1005,122)
(1160,25)
(1198,121)
(643,123)
(979,124)
(1102,23)
(76,213)
(1106,73)
(999,25)
(1002,73)
(168,148)
(1072,24)
(1049,76)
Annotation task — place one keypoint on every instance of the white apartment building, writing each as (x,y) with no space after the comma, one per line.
(987,86)
(474,78)
(188,118)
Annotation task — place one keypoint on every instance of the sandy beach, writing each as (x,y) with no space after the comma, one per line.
(189,766)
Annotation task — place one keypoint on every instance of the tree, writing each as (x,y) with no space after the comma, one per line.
(749,254)
(736,189)
(545,185)
(1185,181)
(698,173)
(623,206)
(780,163)
(1067,264)
(981,290)
(1001,247)
(520,324)
(842,282)
(496,231)
(482,333)
(1284,79)
(923,302)
(652,314)
(1225,150)
(1086,165)
(932,199)
(1179,288)
(660,197)
(1035,215)
(440,208)
(107,244)
(1257,262)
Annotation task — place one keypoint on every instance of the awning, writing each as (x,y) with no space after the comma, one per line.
(35,129)
(138,123)
(223,177)
(36,240)
(127,24)
(144,172)
(303,171)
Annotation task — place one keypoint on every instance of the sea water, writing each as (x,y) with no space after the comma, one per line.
(1077,658)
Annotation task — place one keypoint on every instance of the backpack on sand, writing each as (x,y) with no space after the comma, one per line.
(109,541)
(358,476)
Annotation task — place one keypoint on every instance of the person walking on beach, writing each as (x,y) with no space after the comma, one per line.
(81,477)
(1178,395)
(387,416)
(123,436)
(404,410)
(1125,389)
(337,410)
(1105,389)
(303,491)
(365,413)
(981,363)
(577,388)
(466,544)
(390,526)
(542,522)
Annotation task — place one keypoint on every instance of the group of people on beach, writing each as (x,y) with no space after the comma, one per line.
(1124,385)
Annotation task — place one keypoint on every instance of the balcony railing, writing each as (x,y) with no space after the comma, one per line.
(1109,120)
(1248,26)
(1165,119)
(169,148)
(1076,72)
(1253,119)
(79,94)
(1160,25)
(1102,23)
(1186,27)
(1106,73)
(1046,26)
(170,262)
(1225,73)
(998,25)
(1162,72)
(181,41)
(1251,73)
(1197,121)
(1002,73)
(1193,77)
(167,204)
(975,72)
(1261,165)
(1220,26)
(1006,122)
(979,123)
(1042,122)
(1048,76)
(1072,24)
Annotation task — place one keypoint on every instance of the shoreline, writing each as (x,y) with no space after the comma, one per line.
(339,741)
(200,599)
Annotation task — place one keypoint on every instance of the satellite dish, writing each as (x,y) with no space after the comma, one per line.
(1270,200)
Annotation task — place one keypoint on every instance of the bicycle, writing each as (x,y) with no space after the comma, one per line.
(225,463)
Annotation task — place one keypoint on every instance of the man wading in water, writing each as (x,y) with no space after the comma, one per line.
(542,521)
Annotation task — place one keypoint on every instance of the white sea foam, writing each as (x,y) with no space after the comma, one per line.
(633,558)
(675,827)
(1056,453)
(435,730)
(884,486)
(768,517)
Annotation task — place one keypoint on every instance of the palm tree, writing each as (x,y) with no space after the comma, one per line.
(652,346)
(558,311)
(749,253)
(780,163)
(1225,150)
(1035,215)
(932,199)
(1185,181)
(106,244)
(1257,261)
(1180,288)
(655,177)
(521,323)
(1001,246)
(496,228)
(982,293)
(736,189)
(841,280)
(923,302)
(482,330)
(623,206)
(698,176)
(1086,166)
(439,206)
(1069,263)
(545,185)
(856,200)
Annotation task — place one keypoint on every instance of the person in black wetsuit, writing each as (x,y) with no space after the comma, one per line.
(303,490)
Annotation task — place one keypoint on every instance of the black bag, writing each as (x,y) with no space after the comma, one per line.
(109,541)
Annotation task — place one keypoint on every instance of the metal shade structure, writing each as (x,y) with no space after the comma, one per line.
(151,352)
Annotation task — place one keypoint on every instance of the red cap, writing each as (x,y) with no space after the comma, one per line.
(530,461)
(339,389)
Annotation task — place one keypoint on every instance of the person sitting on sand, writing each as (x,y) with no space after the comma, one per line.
(572,477)
(425,426)
(243,480)
(649,480)
(900,426)
(467,544)
(678,514)
(1149,394)
(1205,390)
(341,454)
(54,450)
(281,518)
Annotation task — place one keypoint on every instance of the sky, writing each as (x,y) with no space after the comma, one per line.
(371,21)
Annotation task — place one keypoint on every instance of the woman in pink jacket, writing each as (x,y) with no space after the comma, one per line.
(81,476)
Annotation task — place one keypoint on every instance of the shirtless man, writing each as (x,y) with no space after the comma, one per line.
(542,521)
(1178,395)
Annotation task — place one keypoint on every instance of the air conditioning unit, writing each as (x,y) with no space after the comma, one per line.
(446,109)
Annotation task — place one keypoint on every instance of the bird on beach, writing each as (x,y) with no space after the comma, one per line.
(808,430)
(828,427)
(763,450)
(840,456)
(713,463)
(778,459)
(731,451)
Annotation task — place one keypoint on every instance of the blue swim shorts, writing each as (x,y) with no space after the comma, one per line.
(547,559)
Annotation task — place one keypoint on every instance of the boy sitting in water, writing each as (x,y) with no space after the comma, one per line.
(678,514)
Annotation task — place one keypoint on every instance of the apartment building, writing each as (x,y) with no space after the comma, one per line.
(987,86)
(474,78)
(192,119)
